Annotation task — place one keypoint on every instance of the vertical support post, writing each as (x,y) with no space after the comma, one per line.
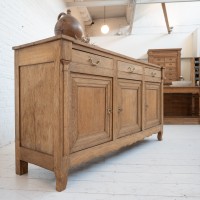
(61,164)
(143,97)
(160,133)
(130,14)
(115,104)
(21,167)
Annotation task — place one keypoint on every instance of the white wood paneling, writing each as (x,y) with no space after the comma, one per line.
(21,22)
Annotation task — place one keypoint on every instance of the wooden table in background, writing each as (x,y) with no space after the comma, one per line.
(182,105)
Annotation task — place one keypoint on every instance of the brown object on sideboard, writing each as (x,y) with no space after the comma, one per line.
(182,105)
(170,59)
(75,102)
(68,25)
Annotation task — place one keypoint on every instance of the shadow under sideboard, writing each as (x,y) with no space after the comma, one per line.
(181,105)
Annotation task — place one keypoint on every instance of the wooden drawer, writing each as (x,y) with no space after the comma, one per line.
(129,67)
(152,72)
(170,64)
(170,59)
(91,59)
(170,74)
(158,59)
(170,69)
(171,77)
(162,64)
(150,59)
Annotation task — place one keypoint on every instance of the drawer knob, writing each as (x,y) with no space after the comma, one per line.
(120,110)
(94,63)
(131,69)
(109,110)
(153,74)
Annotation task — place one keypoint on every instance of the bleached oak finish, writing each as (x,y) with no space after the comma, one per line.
(76,101)
(170,59)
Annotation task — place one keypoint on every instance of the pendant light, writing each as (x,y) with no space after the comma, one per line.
(105,27)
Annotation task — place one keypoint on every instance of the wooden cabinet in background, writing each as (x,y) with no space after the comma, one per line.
(75,102)
(170,59)
(182,105)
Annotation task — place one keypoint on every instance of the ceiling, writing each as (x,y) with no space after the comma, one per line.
(138,13)
(110,11)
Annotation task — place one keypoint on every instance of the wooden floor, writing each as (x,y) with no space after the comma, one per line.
(149,170)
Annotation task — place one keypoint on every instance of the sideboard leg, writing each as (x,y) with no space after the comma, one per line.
(61,180)
(159,136)
(21,167)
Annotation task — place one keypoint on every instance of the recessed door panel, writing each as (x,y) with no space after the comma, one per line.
(152,104)
(91,111)
(129,102)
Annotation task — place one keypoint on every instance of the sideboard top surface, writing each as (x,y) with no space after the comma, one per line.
(83,44)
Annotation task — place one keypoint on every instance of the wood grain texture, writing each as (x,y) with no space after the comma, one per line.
(37,158)
(129,107)
(170,59)
(97,151)
(37,107)
(37,54)
(130,67)
(75,102)
(21,167)
(92,110)
(91,59)
(152,104)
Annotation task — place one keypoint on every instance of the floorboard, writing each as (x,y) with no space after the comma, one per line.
(148,170)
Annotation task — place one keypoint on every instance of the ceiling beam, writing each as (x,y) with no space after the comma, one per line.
(96,3)
(166,18)
(163,1)
(130,13)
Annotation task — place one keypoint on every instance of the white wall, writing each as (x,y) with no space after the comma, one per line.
(75,13)
(186,68)
(196,43)
(136,46)
(21,21)
(150,32)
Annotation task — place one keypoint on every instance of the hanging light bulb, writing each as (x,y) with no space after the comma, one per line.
(105,28)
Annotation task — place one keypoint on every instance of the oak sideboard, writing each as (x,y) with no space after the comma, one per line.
(76,101)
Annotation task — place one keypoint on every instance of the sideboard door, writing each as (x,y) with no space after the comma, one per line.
(152,104)
(129,107)
(90,111)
